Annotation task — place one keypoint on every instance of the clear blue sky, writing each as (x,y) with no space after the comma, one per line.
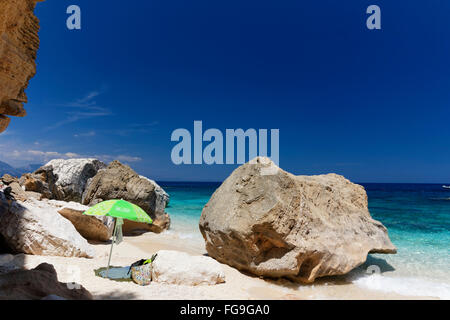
(371,105)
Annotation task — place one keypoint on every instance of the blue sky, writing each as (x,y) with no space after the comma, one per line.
(371,105)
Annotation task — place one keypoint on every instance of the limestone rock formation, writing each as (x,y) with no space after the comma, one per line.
(16,190)
(98,228)
(63,179)
(8,179)
(174,267)
(39,283)
(119,181)
(35,227)
(42,181)
(19,43)
(272,223)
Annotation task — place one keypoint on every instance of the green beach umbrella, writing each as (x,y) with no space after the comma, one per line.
(118,209)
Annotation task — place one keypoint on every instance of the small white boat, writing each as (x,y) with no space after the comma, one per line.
(446,187)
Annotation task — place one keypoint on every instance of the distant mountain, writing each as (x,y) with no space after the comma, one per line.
(17,172)
(29,168)
(6,168)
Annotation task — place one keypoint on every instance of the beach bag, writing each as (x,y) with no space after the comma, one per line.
(142,275)
(141,271)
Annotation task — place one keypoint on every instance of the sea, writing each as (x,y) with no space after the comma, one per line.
(417,217)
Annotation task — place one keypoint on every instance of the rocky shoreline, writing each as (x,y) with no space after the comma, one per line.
(42,212)
(261,220)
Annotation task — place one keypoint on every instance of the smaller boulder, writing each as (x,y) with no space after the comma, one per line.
(174,267)
(98,228)
(41,181)
(159,225)
(16,190)
(8,179)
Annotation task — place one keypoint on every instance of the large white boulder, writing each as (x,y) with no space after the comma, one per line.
(272,223)
(73,175)
(66,179)
(35,227)
(174,267)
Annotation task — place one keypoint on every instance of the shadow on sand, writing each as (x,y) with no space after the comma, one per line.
(116,295)
(363,270)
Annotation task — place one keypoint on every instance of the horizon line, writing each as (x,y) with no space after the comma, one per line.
(188,181)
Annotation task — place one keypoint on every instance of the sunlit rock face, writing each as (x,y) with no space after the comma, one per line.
(35,227)
(119,181)
(271,223)
(19,43)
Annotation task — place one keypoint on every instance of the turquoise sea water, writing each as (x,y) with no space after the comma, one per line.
(187,200)
(417,217)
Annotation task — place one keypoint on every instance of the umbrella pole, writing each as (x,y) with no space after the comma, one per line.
(112,244)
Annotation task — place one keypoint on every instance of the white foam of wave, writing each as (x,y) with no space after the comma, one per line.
(183,235)
(405,286)
(184,228)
